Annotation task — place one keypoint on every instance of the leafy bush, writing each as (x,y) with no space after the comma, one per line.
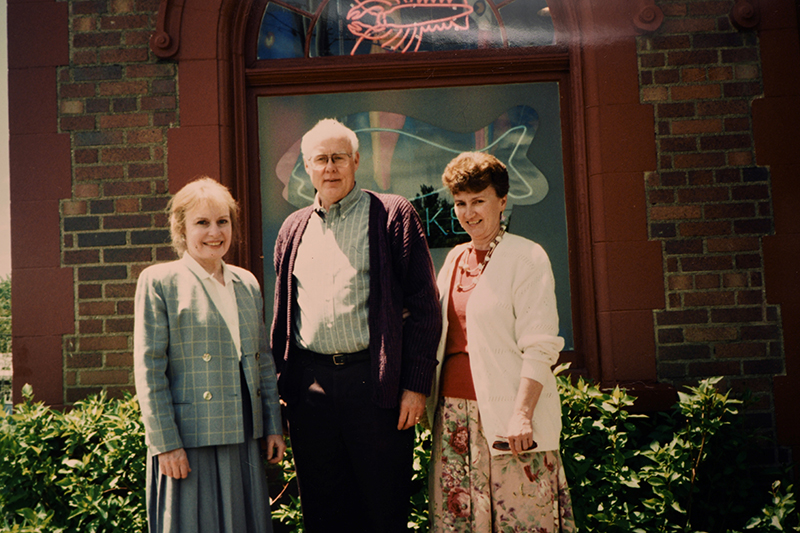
(5,314)
(80,471)
(286,505)
(418,520)
(686,470)
(780,514)
(681,471)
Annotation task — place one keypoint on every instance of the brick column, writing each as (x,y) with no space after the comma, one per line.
(117,101)
(709,204)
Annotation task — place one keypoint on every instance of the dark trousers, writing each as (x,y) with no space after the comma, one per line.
(353,465)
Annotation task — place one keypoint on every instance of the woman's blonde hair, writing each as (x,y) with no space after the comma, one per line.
(202,190)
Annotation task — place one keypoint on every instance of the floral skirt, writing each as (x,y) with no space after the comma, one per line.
(471,491)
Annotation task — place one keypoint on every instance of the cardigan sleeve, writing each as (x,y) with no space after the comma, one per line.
(422,327)
(150,361)
(280,329)
(536,326)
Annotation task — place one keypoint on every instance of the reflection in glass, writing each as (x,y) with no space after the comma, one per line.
(309,6)
(356,27)
(526,25)
(282,34)
(485,28)
(330,36)
(407,137)
(433,210)
(399,153)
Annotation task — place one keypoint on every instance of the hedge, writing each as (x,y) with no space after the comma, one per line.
(687,470)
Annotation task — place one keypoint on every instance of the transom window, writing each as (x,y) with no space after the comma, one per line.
(317,28)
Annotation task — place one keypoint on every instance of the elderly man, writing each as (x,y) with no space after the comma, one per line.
(355,332)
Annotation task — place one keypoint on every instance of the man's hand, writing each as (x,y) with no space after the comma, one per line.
(174,464)
(274,447)
(412,405)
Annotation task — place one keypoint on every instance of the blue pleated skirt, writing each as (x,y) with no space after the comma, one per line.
(226,491)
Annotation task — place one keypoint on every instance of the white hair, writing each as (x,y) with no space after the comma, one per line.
(328,128)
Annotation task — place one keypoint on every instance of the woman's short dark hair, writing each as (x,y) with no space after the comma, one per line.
(473,172)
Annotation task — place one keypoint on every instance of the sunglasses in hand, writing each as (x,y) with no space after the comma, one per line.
(504,446)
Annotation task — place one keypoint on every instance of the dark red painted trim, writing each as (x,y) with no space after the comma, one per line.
(40,160)
(166,40)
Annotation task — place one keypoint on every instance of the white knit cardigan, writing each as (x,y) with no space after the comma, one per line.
(512,332)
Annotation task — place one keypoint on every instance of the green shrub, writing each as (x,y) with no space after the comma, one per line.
(780,514)
(686,470)
(418,520)
(5,314)
(286,505)
(80,471)
(681,471)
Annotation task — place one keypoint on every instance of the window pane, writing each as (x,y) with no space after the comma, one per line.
(417,25)
(282,34)
(526,23)
(485,29)
(330,36)
(354,27)
(406,139)
(309,6)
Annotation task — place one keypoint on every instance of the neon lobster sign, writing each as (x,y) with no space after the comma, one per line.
(397,24)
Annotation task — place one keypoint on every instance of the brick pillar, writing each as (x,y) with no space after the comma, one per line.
(709,204)
(117,101)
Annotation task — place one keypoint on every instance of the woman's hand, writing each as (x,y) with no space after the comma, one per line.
(274,447)
(520,429)
(174,464)
(520,433)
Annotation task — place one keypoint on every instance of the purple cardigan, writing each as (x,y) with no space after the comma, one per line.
(401,277)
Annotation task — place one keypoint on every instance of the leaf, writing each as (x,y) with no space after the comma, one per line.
(27,391)
(72,463)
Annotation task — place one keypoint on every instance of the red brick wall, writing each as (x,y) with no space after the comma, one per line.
(709,203)
(116,101)
(89,185)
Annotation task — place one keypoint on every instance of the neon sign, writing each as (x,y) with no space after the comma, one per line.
(406,156)
(397,24)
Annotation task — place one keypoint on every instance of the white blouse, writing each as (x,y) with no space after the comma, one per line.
(223,296)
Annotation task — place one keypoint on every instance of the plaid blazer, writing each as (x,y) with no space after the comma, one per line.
(186,366)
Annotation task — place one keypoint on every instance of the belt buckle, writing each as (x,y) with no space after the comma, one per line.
(339,359)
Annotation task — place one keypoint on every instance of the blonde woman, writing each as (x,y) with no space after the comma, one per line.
(205,378)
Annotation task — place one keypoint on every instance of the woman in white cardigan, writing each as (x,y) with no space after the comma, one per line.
(495,464)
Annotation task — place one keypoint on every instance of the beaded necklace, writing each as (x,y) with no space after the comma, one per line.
(467,272)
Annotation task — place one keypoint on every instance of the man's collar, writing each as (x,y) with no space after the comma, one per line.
(345,204)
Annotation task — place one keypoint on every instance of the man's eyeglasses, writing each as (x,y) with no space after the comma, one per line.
(340,160)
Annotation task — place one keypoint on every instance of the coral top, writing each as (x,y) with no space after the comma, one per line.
(456,379)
